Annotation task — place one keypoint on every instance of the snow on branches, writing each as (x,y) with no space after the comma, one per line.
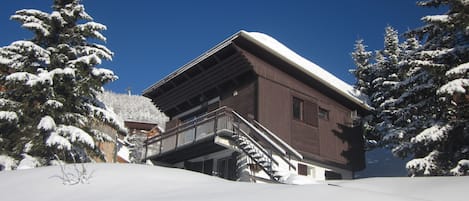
(419,92)
(50,84)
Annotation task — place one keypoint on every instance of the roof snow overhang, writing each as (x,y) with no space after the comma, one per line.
(279,50)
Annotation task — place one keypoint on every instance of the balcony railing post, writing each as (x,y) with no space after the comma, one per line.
(177,138)
(215,124)
(161,145)
(195,130)
(146,147)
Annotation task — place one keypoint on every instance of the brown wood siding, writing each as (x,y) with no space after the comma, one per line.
(331,128)
(139,125)
(274,111)
(243,102)
(311,113)
(318,139)
(305,137)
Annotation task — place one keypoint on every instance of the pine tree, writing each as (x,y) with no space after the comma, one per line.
(362,72)
(365,74)
(429,119)
(379,81)
(48,104)
(388,65)
(440,145)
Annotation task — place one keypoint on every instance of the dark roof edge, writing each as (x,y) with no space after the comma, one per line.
(193,62)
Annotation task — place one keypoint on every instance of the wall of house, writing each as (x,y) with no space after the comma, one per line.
(242,100)
(318,139)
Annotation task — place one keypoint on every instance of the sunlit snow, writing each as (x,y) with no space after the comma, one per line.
(148,183)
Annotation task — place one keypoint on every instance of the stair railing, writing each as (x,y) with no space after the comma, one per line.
(274,146)
(189,130)
(279,141)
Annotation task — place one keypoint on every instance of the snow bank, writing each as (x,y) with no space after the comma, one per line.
(145,183)
(7,163)
(28,162)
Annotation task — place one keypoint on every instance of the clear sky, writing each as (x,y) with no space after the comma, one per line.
(152,38)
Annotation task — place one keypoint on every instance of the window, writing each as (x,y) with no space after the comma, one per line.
(306,170)
(323,113)
(305,111)
(297,109)
(302,169)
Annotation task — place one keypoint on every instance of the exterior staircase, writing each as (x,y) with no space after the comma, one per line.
(257,154)
(258,144)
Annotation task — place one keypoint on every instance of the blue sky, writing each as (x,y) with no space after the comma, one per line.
(152,38)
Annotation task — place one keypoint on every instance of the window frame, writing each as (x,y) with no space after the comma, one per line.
(298,111)
(323,113)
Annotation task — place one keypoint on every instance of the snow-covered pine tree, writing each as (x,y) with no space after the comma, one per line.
(365,74)
(49,84)
(404,117)
(388,66)
(379,80)
(362,71)
(435,100)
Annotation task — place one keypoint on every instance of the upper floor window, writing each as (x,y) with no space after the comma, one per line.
(298,106)
(323,113)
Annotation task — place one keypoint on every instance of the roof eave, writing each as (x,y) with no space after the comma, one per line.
(192,63)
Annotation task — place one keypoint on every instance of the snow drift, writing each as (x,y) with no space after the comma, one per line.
(140,182)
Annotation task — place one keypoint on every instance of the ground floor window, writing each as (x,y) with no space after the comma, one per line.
(330,175)
(205,166)
(306,170)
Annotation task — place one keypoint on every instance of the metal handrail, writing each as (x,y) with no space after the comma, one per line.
(274,145)
(214,116)
(190,123)
(257,145)
(283,143)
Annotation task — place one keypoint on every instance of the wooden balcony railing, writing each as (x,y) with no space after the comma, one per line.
(221,121)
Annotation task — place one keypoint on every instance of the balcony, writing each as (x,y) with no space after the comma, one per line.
(200,131)
(203,135)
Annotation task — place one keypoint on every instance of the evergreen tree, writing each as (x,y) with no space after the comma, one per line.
(420,95)
(48,104)
(386,87)
(379,81)
(362,72)
(440,142)
(365,74)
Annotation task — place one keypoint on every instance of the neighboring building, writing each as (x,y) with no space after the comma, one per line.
(252,109)
(142,119)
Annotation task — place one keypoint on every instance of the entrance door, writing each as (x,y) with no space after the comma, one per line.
(205,167)
(226,168)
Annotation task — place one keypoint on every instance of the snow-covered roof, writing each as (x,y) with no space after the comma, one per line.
(134,108)
(276,48)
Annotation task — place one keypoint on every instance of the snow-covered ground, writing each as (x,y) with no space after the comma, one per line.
(141,182)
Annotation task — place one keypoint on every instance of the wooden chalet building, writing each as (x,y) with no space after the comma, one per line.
(252,109)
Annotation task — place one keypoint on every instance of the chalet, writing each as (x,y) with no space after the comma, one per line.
(141,119)
(252,109)
(138,132)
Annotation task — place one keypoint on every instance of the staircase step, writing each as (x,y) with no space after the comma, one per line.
(248,148)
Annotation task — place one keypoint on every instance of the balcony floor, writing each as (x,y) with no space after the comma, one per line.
(188,151)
